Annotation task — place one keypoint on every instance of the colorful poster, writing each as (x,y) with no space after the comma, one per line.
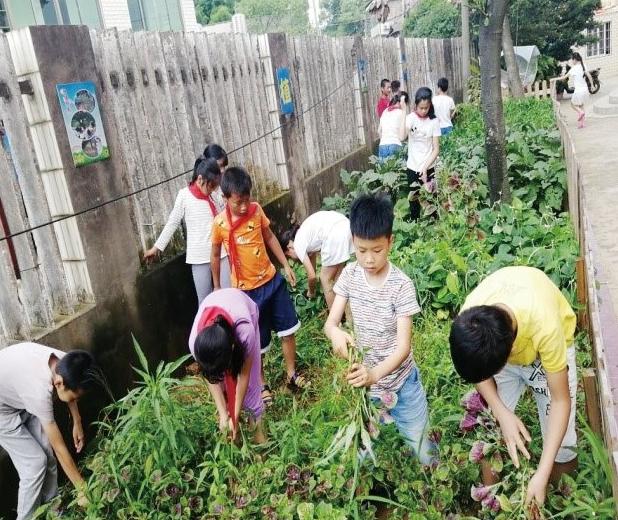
(82,119)
(285,91)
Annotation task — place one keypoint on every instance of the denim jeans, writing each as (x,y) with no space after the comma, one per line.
(446,130)
(388,150)
(411,416)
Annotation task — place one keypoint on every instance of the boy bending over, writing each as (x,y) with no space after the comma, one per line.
(515,331)
(29,375)
(383,300)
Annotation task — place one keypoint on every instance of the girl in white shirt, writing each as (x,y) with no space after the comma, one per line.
(578,74)
(324,232)
(422,129)
(390,121)
(198,204)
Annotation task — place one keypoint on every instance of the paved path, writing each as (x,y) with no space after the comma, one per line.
(596,146)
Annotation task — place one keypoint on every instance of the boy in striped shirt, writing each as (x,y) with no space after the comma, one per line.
(383,301)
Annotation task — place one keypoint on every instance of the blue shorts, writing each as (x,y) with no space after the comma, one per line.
(277,312)
(411,416)
(446,130)
(388,150)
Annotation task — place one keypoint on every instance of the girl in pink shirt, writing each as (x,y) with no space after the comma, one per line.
(225,341)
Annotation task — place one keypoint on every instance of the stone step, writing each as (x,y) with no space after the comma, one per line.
(613,97)
(605,108)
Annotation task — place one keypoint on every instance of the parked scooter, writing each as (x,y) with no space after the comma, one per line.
(563,86)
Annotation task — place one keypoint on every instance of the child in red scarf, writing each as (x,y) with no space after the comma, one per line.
(244,230)
(225,341)
(197,204)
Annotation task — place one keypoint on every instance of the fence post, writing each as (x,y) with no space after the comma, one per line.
(363,108)
(291,130)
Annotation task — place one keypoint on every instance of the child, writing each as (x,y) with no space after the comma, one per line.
(422,129)
(383,301)
(390,144)
(395,87)
(444,107)
(198,204)
(244,230)
(385,96)
(581,94)
(324,232)
(225,341)
(214,151)
(30,374)
(516,329)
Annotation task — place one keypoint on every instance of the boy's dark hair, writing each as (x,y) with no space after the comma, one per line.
(78,370)
(425,94)
(216,350)
(236,180)
(384,82)
(371,217)
(395,85)
(443,84)
(214,151)
(481,341)
(208,169)
(287,236)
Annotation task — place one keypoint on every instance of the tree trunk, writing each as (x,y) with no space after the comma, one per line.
(515,86)
(465,46)
(490,43)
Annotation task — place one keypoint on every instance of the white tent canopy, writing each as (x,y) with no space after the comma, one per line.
(527,57)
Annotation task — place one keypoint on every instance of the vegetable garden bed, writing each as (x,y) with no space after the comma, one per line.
(160,456)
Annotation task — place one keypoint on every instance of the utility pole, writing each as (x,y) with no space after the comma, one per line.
(465,46)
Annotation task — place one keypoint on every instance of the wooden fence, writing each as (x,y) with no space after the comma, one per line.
(165,95)
(540,89)
(601,320)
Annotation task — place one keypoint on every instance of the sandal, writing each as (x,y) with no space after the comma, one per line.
(297,382)
(267,396)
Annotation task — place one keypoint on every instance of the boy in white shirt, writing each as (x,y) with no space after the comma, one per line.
(30,375)
(444,106)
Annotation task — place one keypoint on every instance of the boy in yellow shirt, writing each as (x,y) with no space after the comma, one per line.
(516,329)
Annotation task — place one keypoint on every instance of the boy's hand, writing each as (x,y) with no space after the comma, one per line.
(78,436)
(311,292)
(82,499)
(536,489)
(340,340)
(289,274)
(514,433)
(360,376)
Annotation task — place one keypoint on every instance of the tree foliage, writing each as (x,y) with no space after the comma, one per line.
(433,19)
(552,25)
(214,11)
(344,17)
(263,16)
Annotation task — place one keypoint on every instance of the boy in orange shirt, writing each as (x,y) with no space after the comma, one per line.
(244,230)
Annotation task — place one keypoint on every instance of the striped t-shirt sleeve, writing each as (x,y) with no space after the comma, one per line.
(342,286)
(406,303)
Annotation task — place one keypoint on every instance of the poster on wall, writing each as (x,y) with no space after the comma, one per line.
(82,119)
(285,90)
